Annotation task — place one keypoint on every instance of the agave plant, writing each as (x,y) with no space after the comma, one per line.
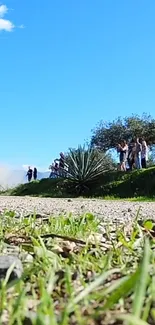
(85,167)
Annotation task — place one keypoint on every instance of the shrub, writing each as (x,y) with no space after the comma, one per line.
(85,168)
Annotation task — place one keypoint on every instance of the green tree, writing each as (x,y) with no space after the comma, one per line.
(108,134)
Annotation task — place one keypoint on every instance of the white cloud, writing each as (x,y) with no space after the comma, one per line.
(3,10)
(5,25)
(21,26)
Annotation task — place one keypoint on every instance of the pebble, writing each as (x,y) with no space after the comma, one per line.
(106,210)
(6,262)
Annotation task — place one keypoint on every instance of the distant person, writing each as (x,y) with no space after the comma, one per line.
(144,153)
(54,170)
(62,161)
(131,154)
(35,173)
(29,174)
(123,151)
(138,154)
(61,164)
(51,168)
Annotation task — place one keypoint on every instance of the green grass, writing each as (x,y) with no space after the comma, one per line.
(79,272)
(130,199)
(138,185)
(45,187)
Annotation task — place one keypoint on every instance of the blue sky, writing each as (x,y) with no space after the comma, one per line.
(67,64)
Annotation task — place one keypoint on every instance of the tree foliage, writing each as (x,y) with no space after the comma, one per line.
(108,134)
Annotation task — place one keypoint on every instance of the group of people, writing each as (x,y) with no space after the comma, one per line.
(59,168)
(32,173)
(133,154)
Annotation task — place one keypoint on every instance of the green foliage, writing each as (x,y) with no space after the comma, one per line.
(108,134)
(99,154)
(86,166)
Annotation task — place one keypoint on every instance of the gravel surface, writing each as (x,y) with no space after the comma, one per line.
(121,211)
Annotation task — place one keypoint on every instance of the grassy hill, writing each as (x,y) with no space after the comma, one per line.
(139,183)
(45,187)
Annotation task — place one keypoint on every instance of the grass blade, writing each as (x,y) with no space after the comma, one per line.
(147,310)
(124,288)
(132,319)
(8,274)
(92,286)
(142,281)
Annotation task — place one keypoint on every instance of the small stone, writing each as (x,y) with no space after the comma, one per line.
(6,262)
(74,275)
(27,321)
(27,258)
(69,200)
(37,216)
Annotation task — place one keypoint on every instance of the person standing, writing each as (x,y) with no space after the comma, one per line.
(131,154)
(35,173)
(51,167)
(54,170)
(144,153)
(138,154)
(61,164)
(29,174)
(123,150)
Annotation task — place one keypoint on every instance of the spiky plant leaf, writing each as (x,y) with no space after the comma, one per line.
(85,166)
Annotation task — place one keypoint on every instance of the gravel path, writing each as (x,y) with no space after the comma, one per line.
(121,211)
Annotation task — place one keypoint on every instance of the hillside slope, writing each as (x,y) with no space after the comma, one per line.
(116,184)
(128,185)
